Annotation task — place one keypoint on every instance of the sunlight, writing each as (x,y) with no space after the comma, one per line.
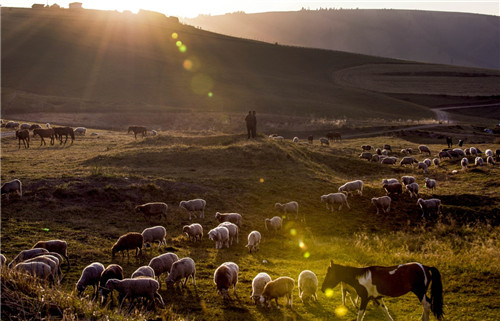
(341,310)
(329,293)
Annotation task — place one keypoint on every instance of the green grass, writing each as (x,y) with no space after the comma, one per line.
(85,193)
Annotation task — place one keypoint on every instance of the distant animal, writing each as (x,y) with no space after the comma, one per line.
(430,205)
(366,147)
(14,186)
(408,160)
(383,202)
(424,149)
(324,141)
(59,132)
(193,206)
(334,198)
(129,241)
(375,282)
(229,217)
(310,139)
(273,224)
(138,130)
(193,231)
(449,142)
(57,246)
(387,147)
(258,283)
(91,275)
(225,277)
(113,271)
(349,187)
(135,288)
(12,124)
(254,241)
(34,126)
(152,209)
(295,139)
(80,131)
(44,133)
(181,269)
(282,286)
(308,285)
(25,126)
(333,136)
(290,207)
(162,264)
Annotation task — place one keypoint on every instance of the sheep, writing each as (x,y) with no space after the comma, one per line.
(324,140)
(47,125)
(428,205)
(233,231)
(385,152)
(220,235)
(387,147)
(282,286)
(193,206)
(39,270)
(409,150)
(467,152)
(80,131)
(453,154)
(154,234)
(14,186)
(193,231)
(349,187)
(464,162)
(412,189)
(366,147)
(389,160)
(409,160)
(424,149)
(366,155)
(383,202)
(332,198)
(375,158)
(430,183)
(295,139)
(229,217)
(162,264)
(407,180)
(258,283)
(459,151)
(57,246)
(396,188)
(12,124)
(3,259)
(478,161)
(152,209)
(308,285)
(473,151)
(91,275)
(143,271)
(423,166)
(292,207)
(154,132)
(52,261)
(112,271)
(135,288)
(226,276)
(389,181)
(427,162)
(183,268)
(490,160)
(310,139)
(274,224)
(254,238)
(278,138)
(129,241)
(435,161)
(378,151)
(26,255)
(25,126)
(443,154)
(34,126)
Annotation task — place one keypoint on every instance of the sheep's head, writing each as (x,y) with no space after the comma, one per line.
(323,198)
(278,206)
(138,209)
(186,229)
(374,200)
(111,284)
(212,235)
(217,215)
(181,204)
(80,288)
(420,201)
(114,249)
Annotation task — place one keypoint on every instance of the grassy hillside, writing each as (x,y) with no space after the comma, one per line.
(85,193)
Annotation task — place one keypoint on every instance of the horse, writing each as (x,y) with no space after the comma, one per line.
(23,135)
(375,282)
(333,136)
(137,130)
(44,132)
(60,131)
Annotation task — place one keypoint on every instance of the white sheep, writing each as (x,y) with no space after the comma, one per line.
(91,275)
(278,138)
(233,231)
(14,186)
(478,161)
(387,181)
(220,235)
(290,207)
(39,270)
(26,255)
(57,246)
(488,152)
(464,162)
(430,183)
(154,234)
(308,285)
(162,264)
(135,288)
(429,205)
(154,132)
(193,231)
(385,152)
(143,271)
(193,206)
(366,155)
(412,189)
(436,161)
(408,160)
(229,217)
(349,187)
(254,238)
(366,147)
(383,202)
(295,139)
(274,224)
(459,151)
(389,160)
(407,180)
(183,268)
(112,271)
(51,261)
(334,198)
(428,162)
(473,151)
(443,154)
(152,209)
(282,286)
(258,283)
(423,166)
(424,149)
(226,276)
(490,160)
(375,158)
(80,131)
(324,140)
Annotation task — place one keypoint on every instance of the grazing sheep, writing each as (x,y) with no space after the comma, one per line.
(467,152)
(152,209)
(383,202)
(429,205)
(113,271)
(193,231)
(258,283)
(143,271)
(324,140)
(408,160)
(435,161)
(423,166)
(453,154)
(308,285)
(473,151)
(3,259)
(193,206)
(154,234)
(183,268)
(290,207)
(26,255)
(430,183)
(135,288)
(366,147)
(57,246)
(295,139)
(366,155)
(229,217)
(91,275)
(443,154)
(274,224)
(389,161)
(464,162)
(403,151)
(310,139)
(39,270)
(233,231)
(412,189)
(385,152)
(396,188)
(332,198)
(387,147)
(490,160)
(14,186)
(282,286)
(478,161)
(220,235)
(129,241)
(154,132)
(226,276)
(389,181)
(424,149)
(162,264)
(407,180)
(378,151)
(254,238)
(428,162)
(375,158)
(34,126)
(409,150)
(459,151)
(80,131)
(278,138)
(12,124)
(349,187)
(51,261)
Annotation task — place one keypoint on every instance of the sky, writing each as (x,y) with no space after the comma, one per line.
(192,8)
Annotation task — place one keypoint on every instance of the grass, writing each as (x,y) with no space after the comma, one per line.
(85,193)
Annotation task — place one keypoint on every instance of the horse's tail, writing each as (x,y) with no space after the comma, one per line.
(436,293)
(72,133)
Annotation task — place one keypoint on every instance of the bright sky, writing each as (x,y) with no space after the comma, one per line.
(192,8)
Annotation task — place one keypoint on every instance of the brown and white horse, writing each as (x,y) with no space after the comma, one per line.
(44,132)
(137,130)
(66,131)
(375,282)
(23,135)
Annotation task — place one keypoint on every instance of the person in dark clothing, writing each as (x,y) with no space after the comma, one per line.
(254,127)
(449,141)
(249,122)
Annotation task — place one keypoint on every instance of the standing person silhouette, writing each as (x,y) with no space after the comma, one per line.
(254,127)
(249,122)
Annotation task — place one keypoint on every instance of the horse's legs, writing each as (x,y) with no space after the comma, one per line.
(427,308)
(362,309)
(382,305)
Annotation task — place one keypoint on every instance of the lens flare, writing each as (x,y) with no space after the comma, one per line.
(187,64)
(183,48)
(340,311)
(293,232)
(210,95)
(329,293)
(302,245)
(307,255)
(178,43)
(175,35)
(261,180)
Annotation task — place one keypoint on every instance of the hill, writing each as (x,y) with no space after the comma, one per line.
(436,37)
